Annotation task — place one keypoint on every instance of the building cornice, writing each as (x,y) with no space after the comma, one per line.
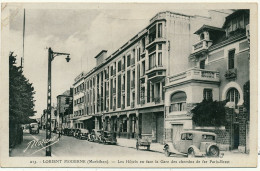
(192,81)
(227,42)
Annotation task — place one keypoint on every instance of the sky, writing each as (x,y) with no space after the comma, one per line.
(81,32)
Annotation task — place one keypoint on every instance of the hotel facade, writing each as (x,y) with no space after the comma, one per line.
(149,85)
(220,72)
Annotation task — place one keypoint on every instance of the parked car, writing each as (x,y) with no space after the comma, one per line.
(108,137)
(66,131)
(71,132)
(95,135)
(75,133)
(83,134)
(194,143)
(34,128)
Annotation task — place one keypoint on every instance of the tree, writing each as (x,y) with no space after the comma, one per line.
(21,95)
(209,113)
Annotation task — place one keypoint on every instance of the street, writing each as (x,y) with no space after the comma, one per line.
(70,146)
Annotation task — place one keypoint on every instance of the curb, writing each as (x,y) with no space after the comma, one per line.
(135,148)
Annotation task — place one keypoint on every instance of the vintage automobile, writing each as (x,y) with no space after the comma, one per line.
(108,137)
(95,135)
(71,132)
(194,143)
(66,131)
(75,133)
(83,134)
(144,140)
(34,128)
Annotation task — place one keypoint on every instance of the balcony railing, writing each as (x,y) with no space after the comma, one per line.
(202,45)
(123,67)
(123,106)
(155,41)
(114,72)
(132,61)
(107,109)
(114,108)
(132,104)
(123,87)
(154,68)
(157,100)
(195,74)
(231,73)
(142,101)
(133,84)
(114,90)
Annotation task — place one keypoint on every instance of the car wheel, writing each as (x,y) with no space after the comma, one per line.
(213,151)
(191,153)
(166,152)
(137,146)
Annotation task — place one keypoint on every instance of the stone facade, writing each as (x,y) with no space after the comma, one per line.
(219,70)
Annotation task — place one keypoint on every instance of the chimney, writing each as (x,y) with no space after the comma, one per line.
(100,57)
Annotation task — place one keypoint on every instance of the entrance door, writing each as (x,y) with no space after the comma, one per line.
(236,136)
(176,133)
(159,127)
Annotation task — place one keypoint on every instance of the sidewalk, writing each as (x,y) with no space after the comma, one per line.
(131,143)
(156,147)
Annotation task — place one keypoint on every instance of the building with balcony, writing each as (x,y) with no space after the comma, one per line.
(53,118)
(64,112)
(124,92)
(219,70)
(79,88)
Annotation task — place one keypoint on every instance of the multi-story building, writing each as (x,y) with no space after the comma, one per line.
(64,116)
(219,70)
(124,92)
(53,118)
(78,100)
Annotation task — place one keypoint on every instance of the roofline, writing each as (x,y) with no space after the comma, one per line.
(209,27)
(126,45)
(171,13)
(100,53)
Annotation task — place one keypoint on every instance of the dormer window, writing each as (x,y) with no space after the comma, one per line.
(236,22)
(202,36)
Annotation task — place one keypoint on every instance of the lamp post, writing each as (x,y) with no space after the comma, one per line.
(51,56)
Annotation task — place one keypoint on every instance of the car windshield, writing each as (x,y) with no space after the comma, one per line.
(208,137)
(34,125)
(84,131)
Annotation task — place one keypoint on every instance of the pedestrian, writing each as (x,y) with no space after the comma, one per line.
(59,132)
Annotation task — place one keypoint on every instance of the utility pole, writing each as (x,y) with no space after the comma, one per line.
(51,56)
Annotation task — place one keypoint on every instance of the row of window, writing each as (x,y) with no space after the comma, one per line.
(79,112)
(79,88)
(79,100)
(231,60)
(178,100)
(130,59)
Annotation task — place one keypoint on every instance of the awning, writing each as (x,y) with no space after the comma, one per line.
(85,118)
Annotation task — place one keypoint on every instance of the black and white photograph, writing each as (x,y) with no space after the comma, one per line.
(129,85)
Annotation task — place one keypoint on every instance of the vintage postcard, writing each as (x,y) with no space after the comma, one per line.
(157,85)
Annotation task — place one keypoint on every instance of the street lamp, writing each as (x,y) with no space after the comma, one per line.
(51,56)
